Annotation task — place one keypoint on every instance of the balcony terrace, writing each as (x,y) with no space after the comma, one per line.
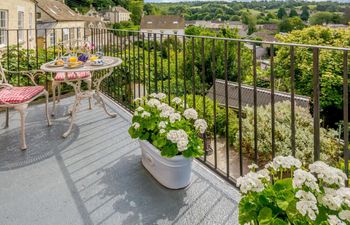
(95,176)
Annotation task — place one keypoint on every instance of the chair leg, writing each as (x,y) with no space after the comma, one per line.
(59,92)
(47,108)
(54,86)
(7,121)
(89,83)
(21,109)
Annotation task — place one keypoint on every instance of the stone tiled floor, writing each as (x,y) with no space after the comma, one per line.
(95,177)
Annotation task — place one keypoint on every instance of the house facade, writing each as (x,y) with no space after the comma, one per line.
(17,14)
(116,14)
(163,24)
(57,22)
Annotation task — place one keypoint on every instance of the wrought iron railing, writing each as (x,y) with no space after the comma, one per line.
(218,76)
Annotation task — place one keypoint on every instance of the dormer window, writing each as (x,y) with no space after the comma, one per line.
(175,22)
(149,22)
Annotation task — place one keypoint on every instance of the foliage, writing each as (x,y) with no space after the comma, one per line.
(304,145)
(283,193)
(330,65)
(250,20)
(289,24)
(125,25)
(305,14)
(168,130)
(293,13)
(325,17)
(281,13)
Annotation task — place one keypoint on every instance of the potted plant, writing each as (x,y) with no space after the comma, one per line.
(285,192)
(169,139)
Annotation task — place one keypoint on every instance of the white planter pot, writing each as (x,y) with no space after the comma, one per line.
(173,173)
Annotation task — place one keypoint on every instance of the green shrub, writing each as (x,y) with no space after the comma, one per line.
(304,137)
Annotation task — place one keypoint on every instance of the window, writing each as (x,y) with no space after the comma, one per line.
(38,15)
(3,27)
(20,26)
(52,38)
(71,33)
(65,34)
(78,33)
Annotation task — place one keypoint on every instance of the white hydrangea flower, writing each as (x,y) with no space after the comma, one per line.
(302,177)
(201,125)
(136,125)
(334,220)
(173,117)
(176,100)
(162,131)
(166,111)
(153,95)
(139,109)
(136,113)
(145,114)
(331,199)
(138,100)
(251,182)
(162,124)
(344,215)
(307,204)
(286,162)
(253,166)
(178,137)
(265,173)
(172,136)
(190,114)
(161,96)
(328,174)
(344,192)
(153,102)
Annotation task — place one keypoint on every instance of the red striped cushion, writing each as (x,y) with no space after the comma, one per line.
(72,76)
(17,95)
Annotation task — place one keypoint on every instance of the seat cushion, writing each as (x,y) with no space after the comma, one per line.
(72,76)
(17,95)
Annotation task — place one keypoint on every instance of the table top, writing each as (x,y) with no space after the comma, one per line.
(110,62)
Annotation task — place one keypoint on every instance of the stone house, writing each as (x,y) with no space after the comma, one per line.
(163,24)
(116,14)
(17,14)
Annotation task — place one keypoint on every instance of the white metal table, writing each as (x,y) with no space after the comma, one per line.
(109,64)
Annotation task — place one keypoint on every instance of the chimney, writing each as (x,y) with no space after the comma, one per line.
(63,1)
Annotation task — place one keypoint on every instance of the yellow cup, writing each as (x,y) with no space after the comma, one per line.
(73,59)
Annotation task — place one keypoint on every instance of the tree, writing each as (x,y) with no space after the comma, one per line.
(249,20)
(281,13)
(330,66)
(289,24)
(150,9)
(136,9)
(293,13)
(320,18)
(346,15)
(305,14)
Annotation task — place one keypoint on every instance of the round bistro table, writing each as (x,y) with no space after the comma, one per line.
(109,64)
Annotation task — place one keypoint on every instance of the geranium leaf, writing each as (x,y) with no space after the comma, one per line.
(265,216)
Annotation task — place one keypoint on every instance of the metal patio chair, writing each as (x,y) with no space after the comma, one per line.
(19,97)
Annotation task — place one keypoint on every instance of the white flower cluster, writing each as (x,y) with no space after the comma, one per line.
(253,167)
(159,96)
(138,100)
(334,220)
(166,110)
(201,125)
(162,124)
(173,117)
(328,174)
(331,199)
(251,182)
(265,173)
(307,204)
(153,102)
(344,192)
(344,215)
(136,125)
(176,100)
(178,137)
(285,162)
(191,114)
(302,177)
(139,109)
(145,114)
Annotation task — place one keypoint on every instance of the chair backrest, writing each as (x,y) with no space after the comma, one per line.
(74,46)
(2,72)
